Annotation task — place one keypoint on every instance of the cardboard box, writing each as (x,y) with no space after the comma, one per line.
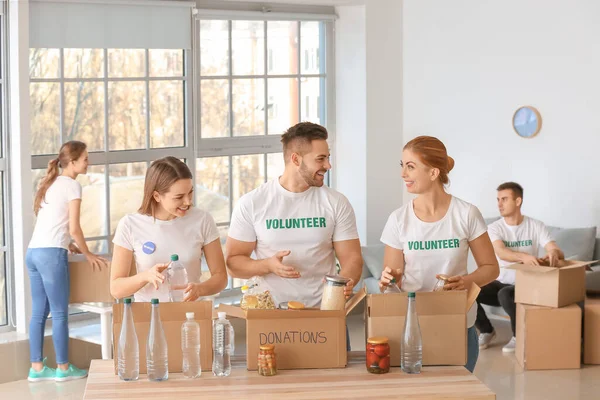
(87,285)
(591,331)
(442,319)
(548,338)
(302,338)
(550,286)
(172,316)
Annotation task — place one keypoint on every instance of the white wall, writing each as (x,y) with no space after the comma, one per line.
(468,65)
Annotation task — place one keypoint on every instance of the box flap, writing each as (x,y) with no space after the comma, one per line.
(563,264)
(355,300)
(472,294)
(142,311)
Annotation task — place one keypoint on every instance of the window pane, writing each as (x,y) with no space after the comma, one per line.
(99,246)
(3,292)
(214,48)
(214,118)
(126,190)
(165,63)
(93,201)
(212,187)
(313,100)
(2,232)
(282,42)
(248,174)
(84,63)
(126,63)
(126,115)
(248,107)
(248,47)
(84,113)
(275,165)
(166,114)
(283,107)
(43,63)
(313,47)
(45,118)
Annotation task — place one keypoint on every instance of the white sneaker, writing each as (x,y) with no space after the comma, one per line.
(510,346)
(485,339)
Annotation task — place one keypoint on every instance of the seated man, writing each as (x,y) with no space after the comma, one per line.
(296,226)
(516,238)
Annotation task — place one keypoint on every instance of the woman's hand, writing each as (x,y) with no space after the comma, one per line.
(386,278)
(73,249)
(192,292)
(154,275)
(96,261)
(458,282)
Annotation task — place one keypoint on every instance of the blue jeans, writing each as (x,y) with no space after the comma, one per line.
(49,277)
(472,349)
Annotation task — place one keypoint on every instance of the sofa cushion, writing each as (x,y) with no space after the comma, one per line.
(373,259)
(576,243)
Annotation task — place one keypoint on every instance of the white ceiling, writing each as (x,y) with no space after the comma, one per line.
(307,2)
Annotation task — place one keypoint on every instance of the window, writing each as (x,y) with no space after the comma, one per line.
(128,105)
(4,226)
(256,79)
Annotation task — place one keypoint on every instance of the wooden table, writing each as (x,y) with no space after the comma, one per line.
(353,382)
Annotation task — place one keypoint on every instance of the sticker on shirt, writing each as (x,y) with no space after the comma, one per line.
(148,247)
(296,223)
(425,245)
(517,243)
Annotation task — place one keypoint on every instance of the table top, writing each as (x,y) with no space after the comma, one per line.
(353,382)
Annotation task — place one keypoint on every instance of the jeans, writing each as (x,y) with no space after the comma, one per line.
(496,294)
(472,349)
(49,277)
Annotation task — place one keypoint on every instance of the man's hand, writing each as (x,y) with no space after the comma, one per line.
(277,267)
(553,257)
(529,259)
(348,288)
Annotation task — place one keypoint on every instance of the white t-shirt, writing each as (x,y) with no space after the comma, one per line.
(432,248)
(527,237)
(184,236)
(52,225)
(305,223)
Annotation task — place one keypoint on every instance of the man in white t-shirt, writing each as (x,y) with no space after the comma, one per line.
(295,225)
(516,238)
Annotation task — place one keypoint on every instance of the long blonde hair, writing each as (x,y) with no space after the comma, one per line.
(160,176)
(69,151)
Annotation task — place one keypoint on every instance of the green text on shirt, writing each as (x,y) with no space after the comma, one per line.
(518,243)
(433,244)
(296,223)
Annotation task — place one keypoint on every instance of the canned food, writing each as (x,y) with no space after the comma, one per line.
(378,355)
(267,364)
(441,281)
(333,294)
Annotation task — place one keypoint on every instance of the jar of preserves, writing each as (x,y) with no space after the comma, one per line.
(267,364)
(441,281)
(378,355)
(333,294)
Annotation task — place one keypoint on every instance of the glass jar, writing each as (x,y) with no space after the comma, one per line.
(441,281)
(333,294)
(378,355)
(267,364)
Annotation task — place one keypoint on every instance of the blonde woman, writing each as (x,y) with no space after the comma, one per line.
(57,206)
(166,223)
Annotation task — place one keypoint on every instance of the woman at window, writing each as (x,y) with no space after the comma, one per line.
(57,205)
(166,224)
(433,233)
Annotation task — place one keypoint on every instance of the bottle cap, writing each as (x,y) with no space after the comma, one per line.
(411,294)
(174,257)
(154,301)
(189,315)
(222,314)
(127,300)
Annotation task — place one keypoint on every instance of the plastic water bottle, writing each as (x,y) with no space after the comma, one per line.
(411,358)
(223,347)
(129,348)
(190,347)
(157,359)
(392,287)
(178,279)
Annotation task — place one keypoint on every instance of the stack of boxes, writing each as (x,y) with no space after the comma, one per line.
(549,316)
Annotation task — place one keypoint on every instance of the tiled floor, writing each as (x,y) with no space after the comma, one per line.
(498,371)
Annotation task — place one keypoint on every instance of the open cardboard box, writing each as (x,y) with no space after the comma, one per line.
(172,316)
(442,319)
(548,338)
(302,338)
(550,286)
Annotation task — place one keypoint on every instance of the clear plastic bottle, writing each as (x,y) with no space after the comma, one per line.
(223,346)
(178,279)
(129,348)
(157,360)
(392,287)
(190,347)
(412,349)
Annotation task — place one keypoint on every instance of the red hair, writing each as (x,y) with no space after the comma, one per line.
(433,153)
